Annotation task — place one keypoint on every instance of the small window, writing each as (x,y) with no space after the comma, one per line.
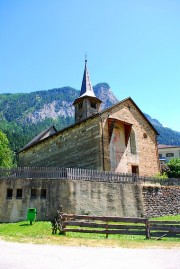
(93,104)
(9,193)
(33,193)
(19,193)
(133,142)
(43,193)
(80,105)
(160,155)
(169,154)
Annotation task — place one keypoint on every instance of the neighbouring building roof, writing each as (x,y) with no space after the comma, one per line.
(46,133)
(163,159)
(162,146)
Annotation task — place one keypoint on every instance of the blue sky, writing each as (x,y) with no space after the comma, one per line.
(132,45)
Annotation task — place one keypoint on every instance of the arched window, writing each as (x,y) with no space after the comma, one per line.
(133,142)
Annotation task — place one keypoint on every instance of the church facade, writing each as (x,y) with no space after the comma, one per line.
(117,139)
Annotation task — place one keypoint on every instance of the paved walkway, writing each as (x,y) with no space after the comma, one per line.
(26,256)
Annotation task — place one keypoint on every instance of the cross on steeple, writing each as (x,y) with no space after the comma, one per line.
(85,57)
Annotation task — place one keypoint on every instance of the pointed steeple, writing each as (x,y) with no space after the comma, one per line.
(87,103)
(86,87)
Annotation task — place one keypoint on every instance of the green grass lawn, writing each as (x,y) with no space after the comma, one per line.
(41,233)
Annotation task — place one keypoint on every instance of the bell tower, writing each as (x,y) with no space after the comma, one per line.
(87,103)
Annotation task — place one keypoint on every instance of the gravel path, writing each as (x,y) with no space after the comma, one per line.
(26,256)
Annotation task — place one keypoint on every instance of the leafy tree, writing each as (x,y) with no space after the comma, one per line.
(6,155)
(174,168)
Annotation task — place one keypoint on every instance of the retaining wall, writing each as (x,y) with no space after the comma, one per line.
(85,197)
(76,196)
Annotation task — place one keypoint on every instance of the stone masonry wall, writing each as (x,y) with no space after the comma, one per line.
(77,147)
(147,153)
(86,197)
(87,145)
(76,196)
(161,200)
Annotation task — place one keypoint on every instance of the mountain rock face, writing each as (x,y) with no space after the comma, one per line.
(51,110)
(52,104)
(105,94)
(24,115)
(58,107)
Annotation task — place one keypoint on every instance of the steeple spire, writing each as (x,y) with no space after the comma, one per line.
(86,87)
(87,104)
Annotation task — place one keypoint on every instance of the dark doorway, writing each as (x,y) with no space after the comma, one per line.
(135,169)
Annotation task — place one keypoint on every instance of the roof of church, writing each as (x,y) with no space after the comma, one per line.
(37,140)
(129,98)
(86,87)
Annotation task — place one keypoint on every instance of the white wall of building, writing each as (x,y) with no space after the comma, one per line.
(167,153)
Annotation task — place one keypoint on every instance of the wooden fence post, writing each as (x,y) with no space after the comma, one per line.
(148,235)
(106,229)
(61,224)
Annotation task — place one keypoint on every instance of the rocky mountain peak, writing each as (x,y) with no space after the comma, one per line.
(56,103)
(105,94)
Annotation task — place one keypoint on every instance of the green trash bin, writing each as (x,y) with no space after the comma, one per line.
(31,215)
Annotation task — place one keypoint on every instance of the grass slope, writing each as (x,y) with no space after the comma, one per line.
(40,233)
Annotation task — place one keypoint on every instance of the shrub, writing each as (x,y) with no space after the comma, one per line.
(174,168)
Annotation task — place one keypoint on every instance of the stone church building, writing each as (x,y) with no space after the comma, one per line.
(117,139)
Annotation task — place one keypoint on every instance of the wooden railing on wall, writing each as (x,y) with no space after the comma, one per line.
(79,174)
(114,225)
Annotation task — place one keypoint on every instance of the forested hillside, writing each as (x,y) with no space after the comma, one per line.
(167,136)
(24,115)
(19,117)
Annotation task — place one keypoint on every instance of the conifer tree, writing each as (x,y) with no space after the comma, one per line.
(6,155)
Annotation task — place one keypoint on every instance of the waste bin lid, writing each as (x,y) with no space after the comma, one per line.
(31,209)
